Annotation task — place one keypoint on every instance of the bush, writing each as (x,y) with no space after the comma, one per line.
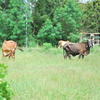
(32,41)
(5,90)
(32,44)
(47,46)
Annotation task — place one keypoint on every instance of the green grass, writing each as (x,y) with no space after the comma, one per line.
(37,74)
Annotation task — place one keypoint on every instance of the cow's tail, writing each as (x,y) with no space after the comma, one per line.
(21,49)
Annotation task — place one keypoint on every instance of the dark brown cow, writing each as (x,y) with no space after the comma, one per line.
(80,49)
(9,48)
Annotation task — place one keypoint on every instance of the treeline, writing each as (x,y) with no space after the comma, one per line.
(38,21)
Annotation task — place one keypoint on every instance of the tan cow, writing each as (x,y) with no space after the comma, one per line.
(61,43)
(9,48)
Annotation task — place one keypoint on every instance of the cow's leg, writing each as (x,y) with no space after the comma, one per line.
(69,56)
(14,55)
(79,56)
(82,56)
(65,56)
(9,56)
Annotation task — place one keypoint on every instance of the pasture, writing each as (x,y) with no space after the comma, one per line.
(37,74)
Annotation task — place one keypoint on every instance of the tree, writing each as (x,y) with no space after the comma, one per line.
(91,21)
(14,21)
(70,18)
(3,25)
(49,33)
(65,24)
(46,31)
(42,10)
(4,4)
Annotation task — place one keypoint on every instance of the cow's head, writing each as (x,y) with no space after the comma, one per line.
(89,43)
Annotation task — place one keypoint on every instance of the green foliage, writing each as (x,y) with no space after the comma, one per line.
(5,90)
(91,21)
(43,10)
(47,46)
(70,18)
(15,22)
(19,20)
(49,33)
(65,25)
(46,31)
(38,21)
(3,71)
(32,41)
(58,31)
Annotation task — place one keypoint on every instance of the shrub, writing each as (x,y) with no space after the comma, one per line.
(5,90)
(47,46)
(32,41)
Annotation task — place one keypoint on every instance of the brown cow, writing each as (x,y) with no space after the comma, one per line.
(61,43)
(9,48)
(80,49)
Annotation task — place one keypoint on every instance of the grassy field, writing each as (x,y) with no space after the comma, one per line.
(37,74)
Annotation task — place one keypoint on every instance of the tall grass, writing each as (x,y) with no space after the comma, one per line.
(37,74)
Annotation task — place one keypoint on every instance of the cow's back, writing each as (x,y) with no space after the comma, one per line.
(7,45)
(76,47)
